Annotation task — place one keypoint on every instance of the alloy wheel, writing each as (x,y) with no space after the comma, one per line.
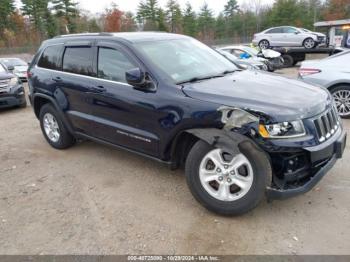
(51,127)
(225,177)
(309,43)
(342,102)
(264,44)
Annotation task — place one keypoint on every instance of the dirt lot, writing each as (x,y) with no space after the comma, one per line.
(92,199)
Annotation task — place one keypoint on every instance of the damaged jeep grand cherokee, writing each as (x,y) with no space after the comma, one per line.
(241,135)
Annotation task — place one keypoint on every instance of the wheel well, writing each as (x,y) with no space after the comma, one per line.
(330,88)
(181,147)
(38,103)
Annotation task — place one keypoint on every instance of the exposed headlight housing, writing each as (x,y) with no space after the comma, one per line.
(13,81)
(283,130)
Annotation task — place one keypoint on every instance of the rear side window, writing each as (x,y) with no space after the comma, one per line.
(274,31)
(78,60)
(112,64)
(51,57)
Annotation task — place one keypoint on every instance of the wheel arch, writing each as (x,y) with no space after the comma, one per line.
(185,140)
(334,85)
(40,100)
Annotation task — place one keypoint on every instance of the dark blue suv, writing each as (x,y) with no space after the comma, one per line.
(240,135)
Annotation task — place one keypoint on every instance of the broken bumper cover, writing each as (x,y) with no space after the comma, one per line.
(332,152)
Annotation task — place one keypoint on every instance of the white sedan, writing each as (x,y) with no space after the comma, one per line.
(289,36)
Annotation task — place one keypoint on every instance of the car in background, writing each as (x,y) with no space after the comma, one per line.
(272,59)
(244,63)
(332,73)
(11,90)
(289,36)
(17,66)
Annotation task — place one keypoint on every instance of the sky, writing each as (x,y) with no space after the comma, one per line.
(96,6)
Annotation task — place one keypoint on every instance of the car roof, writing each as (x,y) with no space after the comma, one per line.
(131,37)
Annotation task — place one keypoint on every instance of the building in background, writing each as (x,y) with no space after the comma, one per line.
(338,32)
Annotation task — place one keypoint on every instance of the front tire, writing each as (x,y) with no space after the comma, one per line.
(54,131)
(309,43)
(341,95)
(226,184)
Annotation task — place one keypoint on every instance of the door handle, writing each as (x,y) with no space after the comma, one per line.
(98,89)
(57,79)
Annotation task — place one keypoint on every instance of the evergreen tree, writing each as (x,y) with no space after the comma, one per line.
(37,10)
(147,14)
(231,8)
(7,7)
(220,26)
(161,20)
(206,22)
(66,9)
(189,21)
(173,16)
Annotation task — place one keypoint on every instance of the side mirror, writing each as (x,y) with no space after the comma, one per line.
(10,68)
(135,77)
(296,32)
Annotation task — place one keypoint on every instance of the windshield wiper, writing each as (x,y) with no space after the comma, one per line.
(196,79)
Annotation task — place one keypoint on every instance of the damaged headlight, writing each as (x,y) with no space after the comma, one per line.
(13,81)
(283,130)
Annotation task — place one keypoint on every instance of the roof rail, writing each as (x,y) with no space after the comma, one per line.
(85,34)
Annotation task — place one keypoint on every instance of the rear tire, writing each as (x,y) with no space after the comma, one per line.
(54,131)
(341,95)
(288,61)
(237,202)
(264,44)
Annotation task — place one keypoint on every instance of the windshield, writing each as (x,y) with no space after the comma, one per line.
(185,59)
(13,62)
(2,69)
(251,50)
(305,30)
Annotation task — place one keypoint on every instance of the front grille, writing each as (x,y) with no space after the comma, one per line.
(327,124)
(4,84)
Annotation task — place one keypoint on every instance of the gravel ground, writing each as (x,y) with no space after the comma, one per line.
(92,199)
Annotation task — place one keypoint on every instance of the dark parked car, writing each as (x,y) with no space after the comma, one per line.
(239,134)
(11,90)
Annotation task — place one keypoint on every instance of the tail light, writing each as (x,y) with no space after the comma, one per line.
(29,74)
(308,71)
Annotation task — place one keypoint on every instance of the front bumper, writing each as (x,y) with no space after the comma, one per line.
(326,154)
(10,100)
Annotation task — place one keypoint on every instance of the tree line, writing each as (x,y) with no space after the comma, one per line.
(37,20)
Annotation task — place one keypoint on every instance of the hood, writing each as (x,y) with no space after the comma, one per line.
(268,53)
(318,34)
(280,98)
(21,68)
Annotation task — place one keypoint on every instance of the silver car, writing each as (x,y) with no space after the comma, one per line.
(244,63)
(332,73)
(17,66)
(289,36)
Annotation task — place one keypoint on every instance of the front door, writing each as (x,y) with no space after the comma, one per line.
(123,115)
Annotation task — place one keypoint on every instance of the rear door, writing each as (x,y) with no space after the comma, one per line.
(75,81)
(123,115)
(275,36)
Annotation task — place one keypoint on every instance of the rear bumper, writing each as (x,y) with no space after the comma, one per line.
(330,152)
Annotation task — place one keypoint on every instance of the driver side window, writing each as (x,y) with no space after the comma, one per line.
(289,30)
(112,64)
